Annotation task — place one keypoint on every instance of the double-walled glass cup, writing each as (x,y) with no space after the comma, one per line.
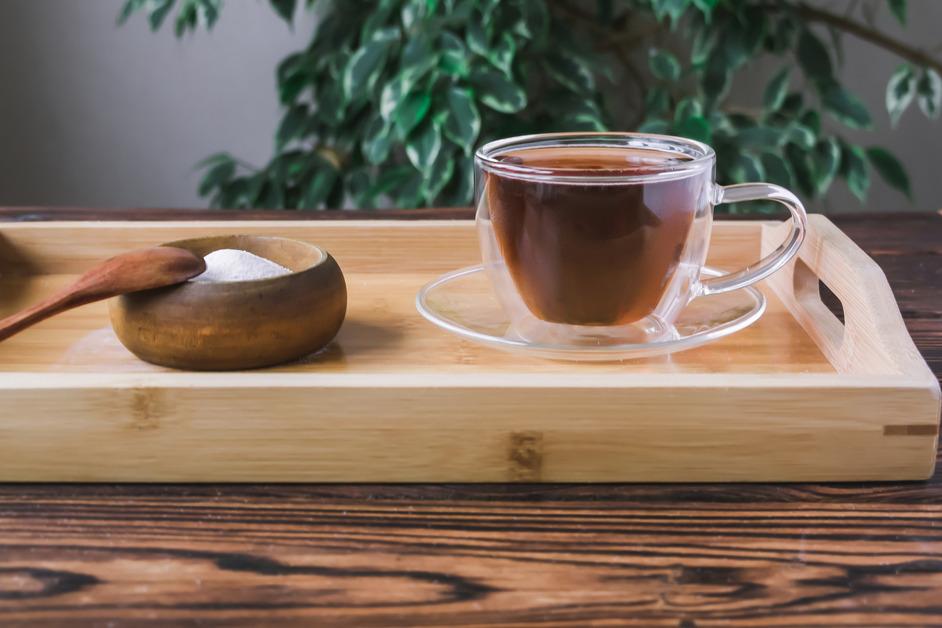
(600,238)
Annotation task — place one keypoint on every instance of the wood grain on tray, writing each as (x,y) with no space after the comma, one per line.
(395,399)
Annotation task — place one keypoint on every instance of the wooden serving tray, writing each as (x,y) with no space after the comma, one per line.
(798,396)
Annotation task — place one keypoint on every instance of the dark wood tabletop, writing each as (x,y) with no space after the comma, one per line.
(461,555)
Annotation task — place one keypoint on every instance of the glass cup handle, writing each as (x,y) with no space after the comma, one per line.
(774,260)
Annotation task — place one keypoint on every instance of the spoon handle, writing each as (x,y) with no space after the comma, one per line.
(137,270)
(59,302)
(94,285)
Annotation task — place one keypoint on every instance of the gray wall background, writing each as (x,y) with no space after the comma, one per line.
(96,115)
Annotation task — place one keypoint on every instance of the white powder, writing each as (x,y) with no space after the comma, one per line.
(236,265)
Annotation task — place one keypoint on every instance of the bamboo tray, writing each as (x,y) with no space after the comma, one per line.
(798,396)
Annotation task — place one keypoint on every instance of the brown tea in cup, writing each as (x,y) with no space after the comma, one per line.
(596,241)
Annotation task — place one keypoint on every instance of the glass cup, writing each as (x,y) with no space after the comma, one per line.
(600,238)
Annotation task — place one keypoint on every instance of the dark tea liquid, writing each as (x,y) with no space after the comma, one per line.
(593,253)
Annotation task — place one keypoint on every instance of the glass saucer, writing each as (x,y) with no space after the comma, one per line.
(463,303)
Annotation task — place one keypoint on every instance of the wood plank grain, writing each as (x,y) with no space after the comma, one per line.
(376,555)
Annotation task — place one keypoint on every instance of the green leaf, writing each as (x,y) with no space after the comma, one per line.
(501,54)
(418,47)
(900,91)
(535,20)
(747,167)
(412,190)
(462,185)
(284,8)
(570,72)
(158,13)
(207,12)
(898,7)
(419,67)
(720,123)
(776,90)
(792,104)
(890,169)
(357,181)
(396,90)
(377,140)
(464,121)
(454,56)
(438,175)
(423,147)
(702,46)
(654,125)
(854,170)
(800,162)
(412,12)
(319,187)
(825,159)
(288,166)
(672,9)
(706,6)
(782,36)
(777,170)
(812,120)
(231,195)
(582,122)
(411,112)
(761,137)
(331,104)
(663,64)
(390,179)
(377,17)
(497,92)
(476,39)
(130,8)
(845,107)
(187,18)
(930,93)
(736,44)
(292,77)
(292,124)
(695,128)
(686,108)
(716,80)
(214,159)
(363,69)
(656,101)
(217,176)
(270,195)
(813,57)
(487,8)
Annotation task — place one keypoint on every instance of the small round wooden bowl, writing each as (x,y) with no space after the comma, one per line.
(240,324)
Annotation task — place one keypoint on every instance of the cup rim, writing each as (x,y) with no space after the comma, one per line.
(701,156)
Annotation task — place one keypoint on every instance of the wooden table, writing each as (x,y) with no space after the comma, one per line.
(675,555)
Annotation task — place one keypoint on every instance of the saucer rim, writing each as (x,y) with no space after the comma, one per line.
(611,352)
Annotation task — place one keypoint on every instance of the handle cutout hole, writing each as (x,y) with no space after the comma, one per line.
(814,294)
(831,301)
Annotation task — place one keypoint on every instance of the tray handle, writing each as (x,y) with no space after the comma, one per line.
(873,339)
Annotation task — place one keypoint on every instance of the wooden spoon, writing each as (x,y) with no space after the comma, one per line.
(143,269)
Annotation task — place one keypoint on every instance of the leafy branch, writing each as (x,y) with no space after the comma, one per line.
(872,35)
(387,102)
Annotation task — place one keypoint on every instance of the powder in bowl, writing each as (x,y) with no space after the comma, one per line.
(235,265)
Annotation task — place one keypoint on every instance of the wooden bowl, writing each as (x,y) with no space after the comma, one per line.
(239,324)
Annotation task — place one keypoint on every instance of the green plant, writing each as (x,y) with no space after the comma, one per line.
(387,103)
